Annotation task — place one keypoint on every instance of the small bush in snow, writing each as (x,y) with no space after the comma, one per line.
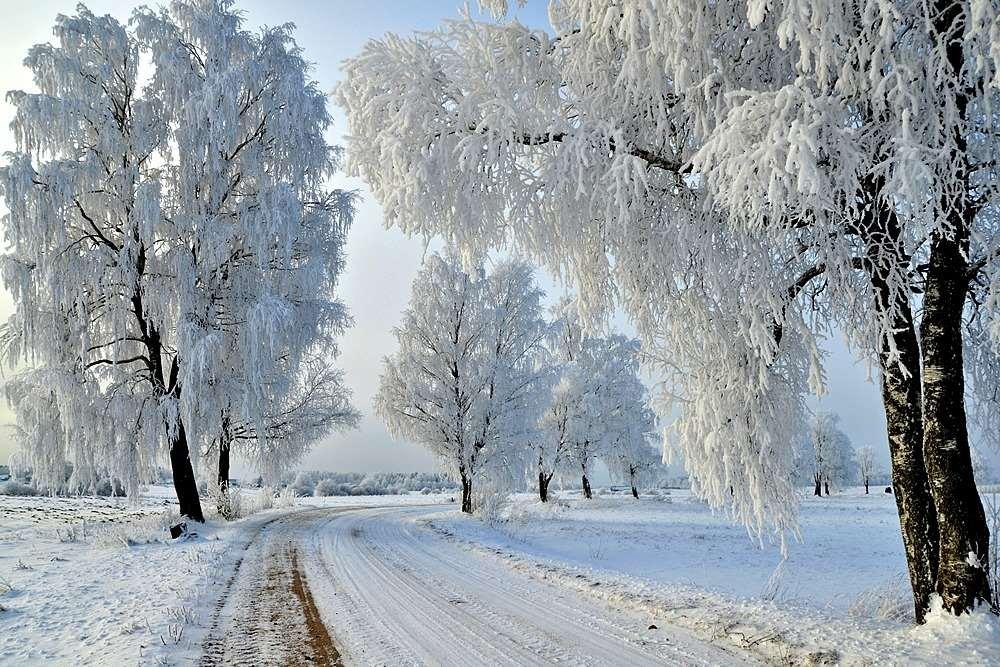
(16,488)
(234,505)
(286,498)
(491,505)
(329,487)
(71,533)
(265,500)
(133,533)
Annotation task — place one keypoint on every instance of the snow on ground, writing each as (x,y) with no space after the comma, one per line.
(97,581)
(841,592)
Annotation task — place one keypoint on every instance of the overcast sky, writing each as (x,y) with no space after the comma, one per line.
(381,263)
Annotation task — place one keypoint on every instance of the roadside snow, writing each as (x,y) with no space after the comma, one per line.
(98,581)
(840,595)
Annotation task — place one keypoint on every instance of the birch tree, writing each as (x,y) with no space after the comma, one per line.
(866,465)
(603,392)
(551,446)
(629,455)
(830,455)
(741,176)
(173,247)
(463,383)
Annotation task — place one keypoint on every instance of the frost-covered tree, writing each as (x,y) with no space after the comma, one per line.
(981,467)
(173,246)
(606,402)
(742,176)
(317,403)
(866,465)
(829,454)
(550,446)
(464,382)
(629,455)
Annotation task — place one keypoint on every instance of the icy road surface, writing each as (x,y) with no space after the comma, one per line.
(389,591)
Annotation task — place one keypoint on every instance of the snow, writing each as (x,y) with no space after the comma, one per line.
(96,601)
(396,593)
(666,557)
(845,579)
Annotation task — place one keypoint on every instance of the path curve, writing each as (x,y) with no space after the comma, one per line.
(389,591)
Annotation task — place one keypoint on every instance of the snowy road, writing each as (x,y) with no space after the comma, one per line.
(391,592)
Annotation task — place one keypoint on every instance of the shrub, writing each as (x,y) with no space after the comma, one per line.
(286,498)
(16,488)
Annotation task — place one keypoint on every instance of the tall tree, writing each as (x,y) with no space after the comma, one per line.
(629,456)
(173,247)
(741,175)
(866,465)
(829,453)
(463,382)
(317,403)
(551,445)
(605,401)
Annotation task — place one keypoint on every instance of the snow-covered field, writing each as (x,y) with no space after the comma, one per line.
(841,591)
(96,581)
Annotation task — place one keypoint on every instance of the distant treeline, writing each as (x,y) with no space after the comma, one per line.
(321,483)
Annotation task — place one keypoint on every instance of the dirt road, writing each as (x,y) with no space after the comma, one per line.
(373,587)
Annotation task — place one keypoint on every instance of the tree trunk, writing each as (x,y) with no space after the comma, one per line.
(866,487)
(964,536)
(224,507)
(543,486)
(899,362)
(224,465)
(904,427)
(635,492)
(184,482)
(826,487)
(817,486)
(466,494)
(587,493)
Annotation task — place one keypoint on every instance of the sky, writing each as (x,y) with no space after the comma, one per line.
(381,263)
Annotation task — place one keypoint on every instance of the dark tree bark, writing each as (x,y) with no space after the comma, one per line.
(899,362)
(964,536)
(543,486)
(224,465)
(962,524)
(901,401)
(817,486)
(184,482)
(587,493)
(163,385)
(866,486)
(466,494)
(225,443)
(826,487)
(635,492)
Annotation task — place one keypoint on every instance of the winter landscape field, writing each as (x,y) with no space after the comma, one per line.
(592,332)
(571,569)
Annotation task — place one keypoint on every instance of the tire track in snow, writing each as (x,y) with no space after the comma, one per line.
(267,614)
(387,591)
(398,593)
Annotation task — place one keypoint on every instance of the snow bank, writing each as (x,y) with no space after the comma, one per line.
(99,581)
(839,597)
